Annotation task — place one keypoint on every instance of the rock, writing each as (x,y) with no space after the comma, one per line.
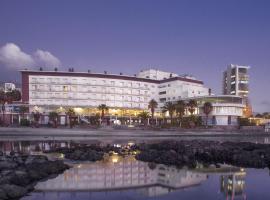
(7,165)
(12,153)
(207,153)
(19,173)
(3,194)
(13,191)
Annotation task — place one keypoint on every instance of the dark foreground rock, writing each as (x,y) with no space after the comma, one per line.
(91,152)
(192,153)
(19,174)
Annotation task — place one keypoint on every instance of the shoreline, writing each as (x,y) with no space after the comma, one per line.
(115,133)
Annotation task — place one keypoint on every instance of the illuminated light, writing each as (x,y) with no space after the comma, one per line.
(78,110)
(130,143)
(62,155)
(79,166)
(115,160)
(242,169)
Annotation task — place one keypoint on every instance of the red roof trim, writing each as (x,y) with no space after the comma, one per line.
(112,76)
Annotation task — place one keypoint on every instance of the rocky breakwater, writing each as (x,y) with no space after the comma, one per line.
(197,152)
(20,173)
(91,152)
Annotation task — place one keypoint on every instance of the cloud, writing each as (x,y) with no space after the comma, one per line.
(45,58)
(12,57)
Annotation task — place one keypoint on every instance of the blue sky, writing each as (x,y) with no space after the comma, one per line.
(194,37)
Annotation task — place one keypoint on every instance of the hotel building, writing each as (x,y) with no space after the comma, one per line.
(50,90)
(236,82)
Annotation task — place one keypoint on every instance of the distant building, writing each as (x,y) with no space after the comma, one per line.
(236,82)
(9,87)
(226,109)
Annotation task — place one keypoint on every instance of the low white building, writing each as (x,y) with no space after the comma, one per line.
(226,109)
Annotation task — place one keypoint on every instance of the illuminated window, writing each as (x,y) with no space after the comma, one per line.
(65,88)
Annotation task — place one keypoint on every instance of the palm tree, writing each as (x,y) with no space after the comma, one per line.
(103,108)
(152,106)
(36,116)
(180,108)
(192,104)
(144,116)
(207,109)
(170,107)
(23,110)
(71,115)
(53,116)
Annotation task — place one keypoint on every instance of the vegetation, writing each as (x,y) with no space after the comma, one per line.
(36,116)
(152,106)
(25,122)
(245,122)
(180,108)
(8,97)
(144,117)
(169,107)
(103,108)
(192,104)
(23,110)
(53,116)
(207,109)
(72,116)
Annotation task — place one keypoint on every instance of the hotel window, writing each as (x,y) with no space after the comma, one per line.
(122,84)
(34,87)
(112,82)
(65,88)
(73,88)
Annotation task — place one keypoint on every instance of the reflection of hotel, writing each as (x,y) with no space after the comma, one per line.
(232,185)
(120,173)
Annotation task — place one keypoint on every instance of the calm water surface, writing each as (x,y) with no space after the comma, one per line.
(126,178)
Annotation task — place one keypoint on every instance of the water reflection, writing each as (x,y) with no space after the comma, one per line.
(116,172)
(126,178)
(233,185)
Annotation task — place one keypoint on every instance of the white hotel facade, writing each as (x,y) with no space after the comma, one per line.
(48,90)
(126,96)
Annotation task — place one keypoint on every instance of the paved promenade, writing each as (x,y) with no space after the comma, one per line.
(110,132)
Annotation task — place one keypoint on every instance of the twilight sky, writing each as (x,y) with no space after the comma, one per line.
(187,37)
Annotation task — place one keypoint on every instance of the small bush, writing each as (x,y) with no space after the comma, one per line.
(25,122)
